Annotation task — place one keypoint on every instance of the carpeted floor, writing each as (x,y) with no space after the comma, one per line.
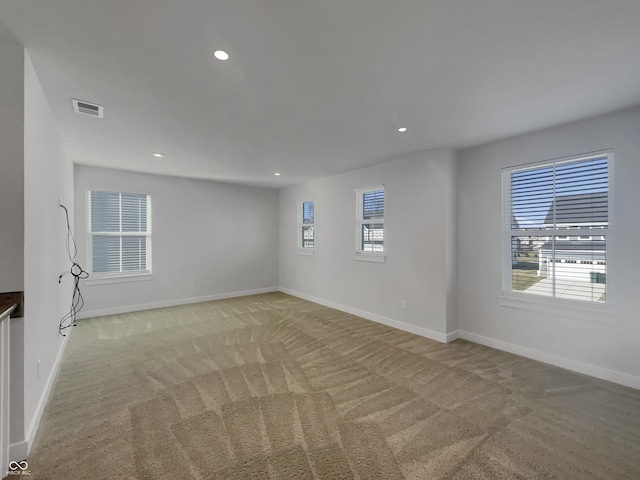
(271,386)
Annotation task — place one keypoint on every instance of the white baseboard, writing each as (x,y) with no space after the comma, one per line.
(407,327)
(453,336)
(20,450)
(563,362)
(171,303)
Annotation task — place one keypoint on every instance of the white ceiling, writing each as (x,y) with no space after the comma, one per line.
(318,87)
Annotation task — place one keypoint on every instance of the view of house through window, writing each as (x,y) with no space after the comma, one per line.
(306,225)
(557,217)
(119,233)
(370,220)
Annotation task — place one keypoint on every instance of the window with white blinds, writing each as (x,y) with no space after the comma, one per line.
(119,233)
(556,218)
(370,220)
(306,225)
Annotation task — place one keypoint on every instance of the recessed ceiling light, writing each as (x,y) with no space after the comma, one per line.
(158,154)
(402,129)
(221,55)
(277,174)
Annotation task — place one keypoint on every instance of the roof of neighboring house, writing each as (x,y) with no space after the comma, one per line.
(514,221)
(586,208)
(564,245)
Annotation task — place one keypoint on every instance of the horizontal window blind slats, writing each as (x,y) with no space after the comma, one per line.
(572,197)
(373,204)
(593,176)
(524,195)
(370,233)
(106,254)
(116,218)
(542,183)
(116,212)
(307,212)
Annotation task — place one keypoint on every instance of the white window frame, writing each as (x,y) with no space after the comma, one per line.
(301,249)
(361,254)
(593,311)
(118,277)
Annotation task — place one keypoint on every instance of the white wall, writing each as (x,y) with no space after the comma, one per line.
(12,204)
(420,244)
(34,174)
(48,175)
(208,239)
(592,346)
(11,166)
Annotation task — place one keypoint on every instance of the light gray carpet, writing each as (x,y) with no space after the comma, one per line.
(271,386)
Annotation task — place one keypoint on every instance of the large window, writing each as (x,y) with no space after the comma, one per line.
(556,218)
(306,220)
(119,227)
(370,220)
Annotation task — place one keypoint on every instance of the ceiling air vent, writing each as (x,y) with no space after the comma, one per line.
(87,108)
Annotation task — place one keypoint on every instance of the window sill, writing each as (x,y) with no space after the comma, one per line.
(309,252)
(106,279)
(591,312)
(364,257)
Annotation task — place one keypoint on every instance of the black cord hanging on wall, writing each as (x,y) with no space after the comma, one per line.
(76,271)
